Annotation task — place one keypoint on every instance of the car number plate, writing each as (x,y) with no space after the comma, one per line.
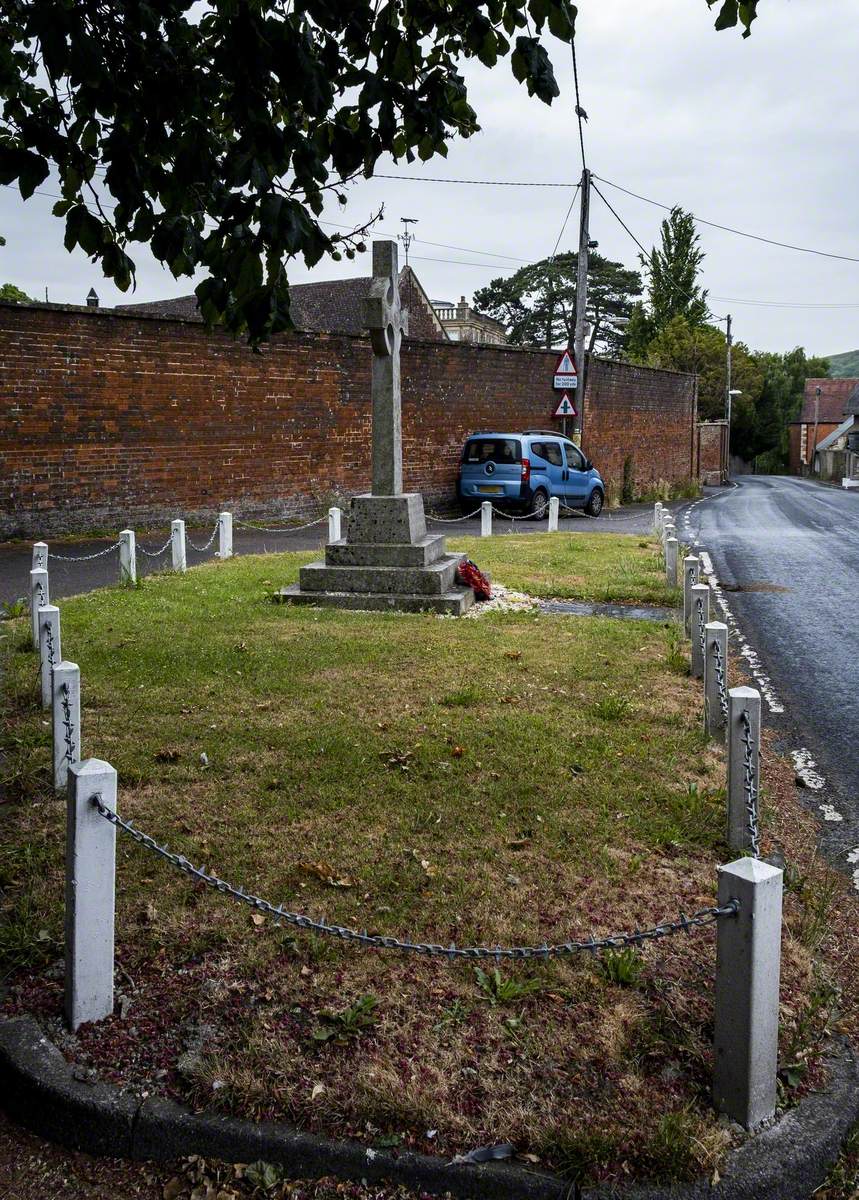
(492,491)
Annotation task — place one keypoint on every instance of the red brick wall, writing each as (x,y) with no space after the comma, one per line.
(111,419)
(712,437)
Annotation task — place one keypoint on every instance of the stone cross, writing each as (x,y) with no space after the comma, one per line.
(387,323)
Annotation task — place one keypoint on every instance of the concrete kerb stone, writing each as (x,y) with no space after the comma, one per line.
(785,1161)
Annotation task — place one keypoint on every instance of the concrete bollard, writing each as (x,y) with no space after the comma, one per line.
(715,677)
(40,597)
(40,556)
(225,535)
(66,720)
(691,575)
(50,652)
(700,617)
(671,551)
(740,700)
(90,893)
(334,525)
(486,519)
(127,557)
(177,545)
(748,965)
(554,509)
(657,517)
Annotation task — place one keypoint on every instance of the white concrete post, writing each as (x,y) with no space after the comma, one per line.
(50,653)
(671,549)
(748,965)
(40,597)
(700,617)
(127,557)
(486,519)
(40,556)
(90,893)
(177,545)
(669,530)
(741,700)
(334,524)
(66,720)
(225,535)
(691,575)
(657,517)
(715,659)
(554,508)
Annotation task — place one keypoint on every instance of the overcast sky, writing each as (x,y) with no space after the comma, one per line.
(760,134)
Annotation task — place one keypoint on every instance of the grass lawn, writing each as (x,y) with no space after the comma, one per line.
(509,779)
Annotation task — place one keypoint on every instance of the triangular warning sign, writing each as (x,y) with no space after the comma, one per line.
(566,408)
(565,364)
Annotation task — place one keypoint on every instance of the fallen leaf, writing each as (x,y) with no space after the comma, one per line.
(457,751)
(318,1090)
(327,873)
(167,756)
(517,843)
(172,1188)
(258,918)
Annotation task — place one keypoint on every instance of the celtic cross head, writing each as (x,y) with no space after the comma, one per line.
(383,314)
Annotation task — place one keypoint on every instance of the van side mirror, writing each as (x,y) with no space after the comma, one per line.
(589,466)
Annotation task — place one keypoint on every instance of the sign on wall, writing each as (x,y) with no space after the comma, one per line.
(566,378)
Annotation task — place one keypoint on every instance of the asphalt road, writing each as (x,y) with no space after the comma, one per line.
(71,578)
(786,554)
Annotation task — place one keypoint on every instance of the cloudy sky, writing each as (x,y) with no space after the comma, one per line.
(760,134)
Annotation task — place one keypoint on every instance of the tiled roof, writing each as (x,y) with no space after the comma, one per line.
(329,306)
(834,394)
(852,407)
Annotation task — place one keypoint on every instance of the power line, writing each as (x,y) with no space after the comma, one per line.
(473,182)
(564,226)
(730,229)
(579,110)
(674,284)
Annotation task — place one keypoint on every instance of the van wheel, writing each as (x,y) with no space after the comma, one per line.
(539,502)
(595,502)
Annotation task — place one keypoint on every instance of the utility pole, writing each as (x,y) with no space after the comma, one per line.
(582,297)
(728,396)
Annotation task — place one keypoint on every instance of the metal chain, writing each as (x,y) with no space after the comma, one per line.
(67,723)
(282,529)
(750,786)
(156,553)
(40,588)
(537,512)
(203,549)
(720,679)
(452,520)
(84,557)
(702,641)
(706,916)
(49,642)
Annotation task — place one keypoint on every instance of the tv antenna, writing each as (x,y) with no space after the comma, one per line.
(407,237)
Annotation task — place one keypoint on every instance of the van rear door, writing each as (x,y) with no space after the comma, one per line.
(491,466)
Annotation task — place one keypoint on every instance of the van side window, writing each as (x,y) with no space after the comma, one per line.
(553,454)
(538,448)
(575,459)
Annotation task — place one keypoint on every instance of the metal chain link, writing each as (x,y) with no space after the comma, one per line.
(702,640)
(537,512)
(84,557)
(705,916)
(750,786)
(720,679)
(68,736)
(156,553)
(40,589)
(452,520)
(203,549)
(49,642)
(282,529)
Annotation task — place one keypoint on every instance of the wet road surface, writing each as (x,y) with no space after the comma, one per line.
(786,554)
(71,578)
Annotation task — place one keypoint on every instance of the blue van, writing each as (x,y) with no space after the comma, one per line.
(522,470)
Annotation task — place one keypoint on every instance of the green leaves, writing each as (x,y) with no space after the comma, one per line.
(733,10)
(531,66)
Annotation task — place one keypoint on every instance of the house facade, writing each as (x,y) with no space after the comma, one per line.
(824,408)
(462,323)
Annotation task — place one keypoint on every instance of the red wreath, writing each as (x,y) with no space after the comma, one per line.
(469,574)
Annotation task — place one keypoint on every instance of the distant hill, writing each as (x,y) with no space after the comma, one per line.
(844,366)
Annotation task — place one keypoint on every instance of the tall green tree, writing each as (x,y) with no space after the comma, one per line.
(214,132)
(780,400)
(537,303)
(672,272)
(8,291)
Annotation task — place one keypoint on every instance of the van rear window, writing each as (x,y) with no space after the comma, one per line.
(496,450)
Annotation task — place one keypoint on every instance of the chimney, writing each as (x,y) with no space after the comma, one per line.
(92,298)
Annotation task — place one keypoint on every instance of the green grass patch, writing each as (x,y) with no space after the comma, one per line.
(606,568)
(510,779)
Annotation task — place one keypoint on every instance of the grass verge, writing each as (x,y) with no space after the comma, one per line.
(505,780)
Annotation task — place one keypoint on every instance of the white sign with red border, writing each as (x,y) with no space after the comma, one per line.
(566,408)
(566,378)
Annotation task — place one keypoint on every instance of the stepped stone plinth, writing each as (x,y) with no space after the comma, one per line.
(386,561)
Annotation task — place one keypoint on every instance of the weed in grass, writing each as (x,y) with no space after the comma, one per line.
(622,967)
(675,653)
(813,1025)
(842,1182)
(463,698)
(612,708)
(819,892)
(263,1175)
(348,1024)
(579,1156)
(11,610)
(680,1148)
(498,990)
